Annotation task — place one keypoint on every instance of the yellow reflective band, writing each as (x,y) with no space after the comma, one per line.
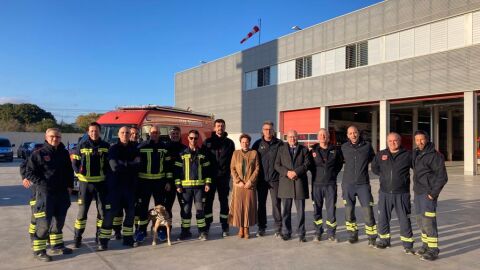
(103,150)
(33,202)
(178,164)
(31,228)
(56,236)
(351,226)
(39,245)
(151,176)
(318,222)
(201,223)
(56,242)
(118,218)
(79,201)
(99,222)
(186,223)
(206,164)
(177,182)
(345,202)
(187,166)
(432,239)
(80,224)
(432,245)
(146,150)
(127,233)
(90,179)
(223,216)
(170,175)
(371,230)
(108,206)
(193,183)
(209,215)
(86,151)
(371,204)
(208,180)
(143,222)
(333,225)
(430,214)
(406,239)
(384,236)
(127,229)
(76,157)
(40,215)
(200,157)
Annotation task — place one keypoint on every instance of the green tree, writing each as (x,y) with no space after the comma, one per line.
(11,125)
(42,125)
(25,114)
(69,128)
(83,121)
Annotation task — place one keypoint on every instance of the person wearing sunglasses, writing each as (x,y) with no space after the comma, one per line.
(193,180)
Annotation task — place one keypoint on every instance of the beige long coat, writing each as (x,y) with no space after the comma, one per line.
(243,206)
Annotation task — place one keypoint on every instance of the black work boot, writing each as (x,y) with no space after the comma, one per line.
(102,244)
(128,241)
(353,238)
(185,234)
(61,251)
(371,242)
(422,250)
(118,234)
(429,255)
(383,245)
(42,256)
(77,241)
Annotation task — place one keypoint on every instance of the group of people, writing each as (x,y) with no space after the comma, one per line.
(124,176)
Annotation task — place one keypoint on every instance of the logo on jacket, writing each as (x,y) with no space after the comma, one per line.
(314,154)
(46,158)
(384,157)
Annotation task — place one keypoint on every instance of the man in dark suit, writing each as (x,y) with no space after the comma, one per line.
(292,164)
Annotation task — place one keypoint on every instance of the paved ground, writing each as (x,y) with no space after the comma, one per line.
(458,215)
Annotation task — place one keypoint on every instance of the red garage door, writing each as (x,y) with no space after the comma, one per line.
(305,122)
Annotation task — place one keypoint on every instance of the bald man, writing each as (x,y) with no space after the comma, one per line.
(393,166)
(357,154)
(292,163)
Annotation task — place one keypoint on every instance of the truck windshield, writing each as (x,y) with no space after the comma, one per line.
(109,133)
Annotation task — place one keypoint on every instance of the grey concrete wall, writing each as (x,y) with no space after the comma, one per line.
(216,87)
(18,138)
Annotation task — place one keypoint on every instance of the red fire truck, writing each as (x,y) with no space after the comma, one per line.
(144,117)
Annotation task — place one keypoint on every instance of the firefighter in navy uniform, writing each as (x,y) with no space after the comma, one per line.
(357,153)
(220,150)
(118,219)
(327,162)
(393,166)
(51,172)
(192,179)
(121,182)
(429,178)
(154,176)
(90,163)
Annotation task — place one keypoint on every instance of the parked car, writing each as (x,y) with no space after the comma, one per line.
(6,151)
(21,150)
(32,147)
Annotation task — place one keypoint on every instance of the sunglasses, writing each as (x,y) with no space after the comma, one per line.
(193,138)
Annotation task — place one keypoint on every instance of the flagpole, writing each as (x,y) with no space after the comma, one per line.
(259,32)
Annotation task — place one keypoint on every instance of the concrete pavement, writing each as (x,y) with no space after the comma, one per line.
(458,219)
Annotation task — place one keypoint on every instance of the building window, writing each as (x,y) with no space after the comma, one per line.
(303,67)
(356,55)
(263,77)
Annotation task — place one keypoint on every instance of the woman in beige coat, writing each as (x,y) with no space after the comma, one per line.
(245,167)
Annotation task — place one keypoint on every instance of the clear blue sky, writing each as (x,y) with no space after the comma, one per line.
(74,57)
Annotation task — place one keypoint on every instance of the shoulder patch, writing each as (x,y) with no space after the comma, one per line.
(46,158)
(384,157)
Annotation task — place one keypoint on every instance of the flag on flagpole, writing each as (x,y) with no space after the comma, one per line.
(249,35)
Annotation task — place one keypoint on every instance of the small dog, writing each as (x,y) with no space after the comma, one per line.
(159,217)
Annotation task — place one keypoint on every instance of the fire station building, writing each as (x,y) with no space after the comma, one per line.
(399,65)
